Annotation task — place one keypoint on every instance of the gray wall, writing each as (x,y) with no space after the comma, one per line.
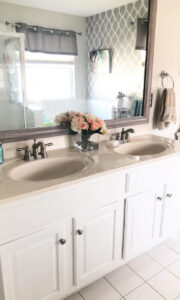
(113,29)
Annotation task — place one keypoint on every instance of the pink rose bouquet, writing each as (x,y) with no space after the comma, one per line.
(77,122)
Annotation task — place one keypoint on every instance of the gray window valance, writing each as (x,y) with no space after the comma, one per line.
(45,40)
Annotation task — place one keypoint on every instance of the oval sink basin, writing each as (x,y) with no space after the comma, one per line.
(142,148)
(50,169)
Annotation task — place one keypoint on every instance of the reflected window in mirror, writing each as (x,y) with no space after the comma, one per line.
(11,92)
(49,78)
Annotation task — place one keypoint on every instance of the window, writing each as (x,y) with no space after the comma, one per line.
(49,77)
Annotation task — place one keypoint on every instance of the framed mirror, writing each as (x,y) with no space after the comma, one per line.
(97,59)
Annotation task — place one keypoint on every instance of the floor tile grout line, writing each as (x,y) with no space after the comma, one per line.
(81,295)
(165,268)
(160,263)
(135,289)
(131,290)
(172,263)
(154,259)
(113,286)
(173,274)
(172,249)
(154,275)
(146,281)
(155,290)
(136,273)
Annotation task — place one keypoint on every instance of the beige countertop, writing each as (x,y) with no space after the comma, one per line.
(105,161)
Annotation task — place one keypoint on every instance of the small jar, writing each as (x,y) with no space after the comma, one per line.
(1,154)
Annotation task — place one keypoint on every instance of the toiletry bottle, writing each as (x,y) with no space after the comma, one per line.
(1,154)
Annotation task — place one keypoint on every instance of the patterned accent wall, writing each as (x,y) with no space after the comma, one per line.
(114,29)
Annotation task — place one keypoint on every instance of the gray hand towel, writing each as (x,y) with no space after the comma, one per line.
(167,109)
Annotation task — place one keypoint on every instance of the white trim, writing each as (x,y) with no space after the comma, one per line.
(12,34)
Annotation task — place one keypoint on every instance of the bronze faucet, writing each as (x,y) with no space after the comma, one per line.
(42,146)
(123,135)
(29,155)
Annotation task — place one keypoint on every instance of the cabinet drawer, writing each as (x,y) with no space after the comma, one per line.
(143,177)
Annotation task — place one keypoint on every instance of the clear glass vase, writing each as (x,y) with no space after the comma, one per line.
(84,144)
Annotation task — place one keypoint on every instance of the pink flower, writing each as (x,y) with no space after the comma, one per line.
(65,119)
(90,118)
(71,113)
(71,117)
(84,126)
(80,120)
(78,114)
(94,126)
(90,121)
(101,122)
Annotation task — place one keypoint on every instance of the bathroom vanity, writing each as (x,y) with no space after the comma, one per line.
(59,235)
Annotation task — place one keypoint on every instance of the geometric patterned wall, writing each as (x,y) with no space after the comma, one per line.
(113,29)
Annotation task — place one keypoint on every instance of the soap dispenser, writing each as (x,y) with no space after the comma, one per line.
(1,154)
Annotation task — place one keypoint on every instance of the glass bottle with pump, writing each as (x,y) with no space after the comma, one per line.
(1,154)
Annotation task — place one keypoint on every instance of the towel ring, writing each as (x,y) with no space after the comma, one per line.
(165,75)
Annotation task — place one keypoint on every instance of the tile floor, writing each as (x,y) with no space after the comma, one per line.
(154,275)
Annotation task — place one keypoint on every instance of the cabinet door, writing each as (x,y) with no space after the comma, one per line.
(97,242)
(171,202)
(33,268)
(171,209)
(142,222)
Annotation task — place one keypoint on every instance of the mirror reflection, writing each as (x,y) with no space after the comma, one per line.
(51,62)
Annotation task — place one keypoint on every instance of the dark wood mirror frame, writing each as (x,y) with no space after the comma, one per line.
(27,134)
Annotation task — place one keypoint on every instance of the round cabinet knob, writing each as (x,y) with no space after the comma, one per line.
(159,198)
(80,232)
(62,241)
(169,195)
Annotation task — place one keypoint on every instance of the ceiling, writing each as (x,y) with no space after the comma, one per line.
(74,7)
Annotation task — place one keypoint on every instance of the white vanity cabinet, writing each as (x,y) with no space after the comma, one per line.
(143,208)
(142,222)
(34,267)
(73,235)
(97,242)
(171,202)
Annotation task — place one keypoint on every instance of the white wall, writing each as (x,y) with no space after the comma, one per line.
(167,53)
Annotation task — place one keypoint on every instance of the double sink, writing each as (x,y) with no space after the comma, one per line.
(60,167)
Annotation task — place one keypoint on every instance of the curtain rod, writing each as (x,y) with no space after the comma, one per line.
(16,24)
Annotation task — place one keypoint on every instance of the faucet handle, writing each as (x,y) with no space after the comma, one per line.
(49,144)
(123,133)
(115,135)
(21,149)
(35,142)
(128,131)
(43,152)
(27,154)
